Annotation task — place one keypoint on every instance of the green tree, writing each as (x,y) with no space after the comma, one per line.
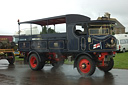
(46,30)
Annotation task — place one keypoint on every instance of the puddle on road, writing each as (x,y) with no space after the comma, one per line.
(7,80)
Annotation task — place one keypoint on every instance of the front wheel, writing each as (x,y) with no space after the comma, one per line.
(35,63)
(85,65)
(109,67)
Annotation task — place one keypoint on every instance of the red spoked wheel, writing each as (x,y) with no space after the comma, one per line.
(85,65)
(35,63)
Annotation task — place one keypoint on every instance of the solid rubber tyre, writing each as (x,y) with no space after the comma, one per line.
(35,63)
(85,65)
(109,67)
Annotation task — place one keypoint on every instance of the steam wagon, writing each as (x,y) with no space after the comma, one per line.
(88,42)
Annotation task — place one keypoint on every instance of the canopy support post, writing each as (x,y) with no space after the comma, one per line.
(54,27)
(31,30)
(19,31)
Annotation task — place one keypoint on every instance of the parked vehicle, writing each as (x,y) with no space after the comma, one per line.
(89,42)
(7,48)
(16,53)
(122,42)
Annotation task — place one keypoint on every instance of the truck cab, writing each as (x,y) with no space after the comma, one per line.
(88,42)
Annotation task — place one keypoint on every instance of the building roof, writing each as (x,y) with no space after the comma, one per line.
(117,25)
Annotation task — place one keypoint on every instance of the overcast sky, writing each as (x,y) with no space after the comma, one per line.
(12,10)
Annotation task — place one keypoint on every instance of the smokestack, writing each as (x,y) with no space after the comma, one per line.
(107,15)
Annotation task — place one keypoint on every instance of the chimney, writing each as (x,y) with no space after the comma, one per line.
(107,15)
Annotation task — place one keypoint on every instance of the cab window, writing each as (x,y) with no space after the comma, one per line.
(79,30)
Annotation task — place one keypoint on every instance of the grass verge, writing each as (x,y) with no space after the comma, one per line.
(17,58)
(121,60)
(68,62)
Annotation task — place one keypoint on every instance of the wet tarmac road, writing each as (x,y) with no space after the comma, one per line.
(21,74)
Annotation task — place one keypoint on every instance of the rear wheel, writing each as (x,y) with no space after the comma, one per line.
(109,67)
(85,66)
(35,63)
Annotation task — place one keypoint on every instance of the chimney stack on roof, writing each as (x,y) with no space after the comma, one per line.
(107,15)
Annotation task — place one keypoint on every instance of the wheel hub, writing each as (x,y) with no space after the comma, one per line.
(84,66)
